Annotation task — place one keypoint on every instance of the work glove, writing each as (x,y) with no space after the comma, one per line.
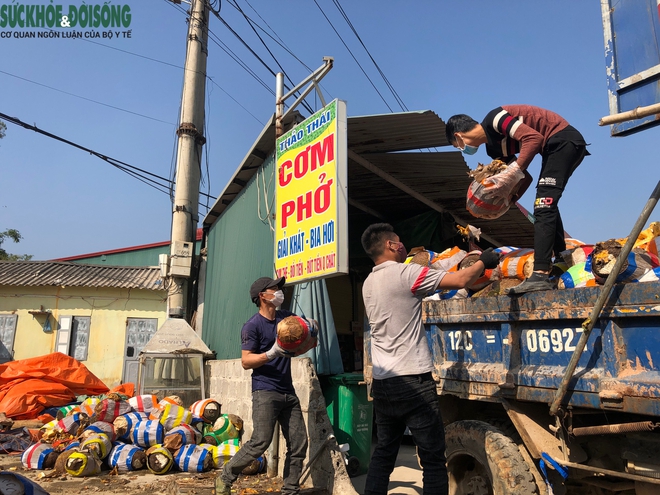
(504,184)
(490,259)
(276,351)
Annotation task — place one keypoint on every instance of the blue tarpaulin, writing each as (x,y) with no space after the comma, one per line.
(310,299)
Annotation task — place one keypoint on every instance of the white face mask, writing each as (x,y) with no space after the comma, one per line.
(278,298)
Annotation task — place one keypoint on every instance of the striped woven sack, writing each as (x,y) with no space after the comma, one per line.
(159,460)
(100,427)
(100,444)
(448,260)
(171,415)
(502,250)
(194,458)
(35,455)
(577,255)
(181,435)
(207,409)
(651,276)
(223,452)
(126,457)
(143,403)
(65,410)
(81,464)
(223,429)
(125,423)
(517,264)
(109,409)
(639,262)
(147,433)
(73,445)
(482,203)
(68,424)
(88,406)
(577,276)
(572,243)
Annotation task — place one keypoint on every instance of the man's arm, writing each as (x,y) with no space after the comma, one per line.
(462,278)
(251,360)
(467,276)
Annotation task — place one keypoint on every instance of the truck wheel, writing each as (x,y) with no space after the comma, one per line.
(481,460)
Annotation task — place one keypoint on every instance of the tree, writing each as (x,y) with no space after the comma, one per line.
(15,236)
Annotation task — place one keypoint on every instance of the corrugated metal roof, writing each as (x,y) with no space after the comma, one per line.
(396,132)
(54,273)
(380,139)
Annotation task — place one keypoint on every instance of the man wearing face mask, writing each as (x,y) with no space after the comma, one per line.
(526,131)
(273,396)
(403,389)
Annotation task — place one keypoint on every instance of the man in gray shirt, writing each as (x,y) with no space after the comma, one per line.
(403,389)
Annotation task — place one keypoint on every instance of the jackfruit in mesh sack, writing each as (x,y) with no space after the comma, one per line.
(484,199)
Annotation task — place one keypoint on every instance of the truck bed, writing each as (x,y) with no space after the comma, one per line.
(494,348)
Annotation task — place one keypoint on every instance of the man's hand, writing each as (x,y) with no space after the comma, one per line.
(276,351)
(490,258)
(505,183)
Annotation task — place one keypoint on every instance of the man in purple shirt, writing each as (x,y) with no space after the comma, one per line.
(273,396)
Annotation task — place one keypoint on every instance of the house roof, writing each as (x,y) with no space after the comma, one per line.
(123,250)
(57,273)
(386,182)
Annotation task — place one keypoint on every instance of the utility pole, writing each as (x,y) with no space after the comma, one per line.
(188,162)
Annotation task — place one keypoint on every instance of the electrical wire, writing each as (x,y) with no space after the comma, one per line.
(142,175)
(387,82)
(86,99)
(247,19)
(213,37)
(356,60)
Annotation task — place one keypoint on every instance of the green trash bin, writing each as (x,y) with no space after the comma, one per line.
(351,417)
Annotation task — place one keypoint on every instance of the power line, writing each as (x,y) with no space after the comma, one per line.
(247,19)
(86,99)
(387,82)
(142,175)
(356,60)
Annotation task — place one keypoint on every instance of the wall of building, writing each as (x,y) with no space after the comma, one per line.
(240,247)
(108,309)
(231,385)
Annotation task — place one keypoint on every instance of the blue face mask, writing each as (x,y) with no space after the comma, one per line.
(470,150)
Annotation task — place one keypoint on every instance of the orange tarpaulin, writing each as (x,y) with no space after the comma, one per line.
(29,386)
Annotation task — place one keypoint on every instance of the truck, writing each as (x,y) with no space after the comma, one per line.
(530,405)
(498,363)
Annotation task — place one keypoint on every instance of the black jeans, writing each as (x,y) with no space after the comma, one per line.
(410,401)
(561,155)
(267,408)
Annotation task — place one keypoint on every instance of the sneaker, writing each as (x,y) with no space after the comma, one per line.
(537,281)
(222,488)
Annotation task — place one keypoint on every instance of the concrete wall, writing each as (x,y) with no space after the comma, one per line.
(108,309)
(231,385)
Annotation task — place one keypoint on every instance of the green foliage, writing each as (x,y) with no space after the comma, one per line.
(15,236)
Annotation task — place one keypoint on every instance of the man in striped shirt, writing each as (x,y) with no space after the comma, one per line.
(526,131)
(403,388)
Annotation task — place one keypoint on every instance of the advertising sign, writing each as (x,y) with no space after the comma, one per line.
(312,197)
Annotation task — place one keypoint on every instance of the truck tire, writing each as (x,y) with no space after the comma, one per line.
(481,460)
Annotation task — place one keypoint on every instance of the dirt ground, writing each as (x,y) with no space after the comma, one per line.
(143,481)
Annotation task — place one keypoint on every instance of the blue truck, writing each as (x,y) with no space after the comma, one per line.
(499,362)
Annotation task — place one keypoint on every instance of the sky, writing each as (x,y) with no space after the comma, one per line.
(120,97)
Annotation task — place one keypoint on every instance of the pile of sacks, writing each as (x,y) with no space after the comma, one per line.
(581,265)
(128,434)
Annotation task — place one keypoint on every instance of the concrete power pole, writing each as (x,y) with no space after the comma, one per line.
(188,163)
